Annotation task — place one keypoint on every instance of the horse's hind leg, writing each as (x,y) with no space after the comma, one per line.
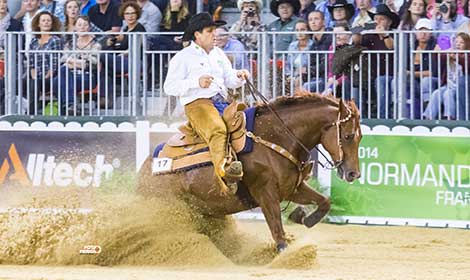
(306,195)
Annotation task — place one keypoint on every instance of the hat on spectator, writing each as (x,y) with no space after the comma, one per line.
(384,10)
(259,4)
(275,4)
(342,4)
(423,23)
(198,22)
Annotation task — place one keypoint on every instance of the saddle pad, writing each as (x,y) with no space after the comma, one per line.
(200,157)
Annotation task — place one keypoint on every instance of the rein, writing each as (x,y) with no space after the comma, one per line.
(301,166)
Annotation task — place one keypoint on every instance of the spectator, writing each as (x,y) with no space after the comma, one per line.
(453,76)
(432,4)
(105,16)
(233,48)
(363,18)
(415,9)
(341,12)
(43,66)
(248,23)
(85,6)
(306,6)
(29,9)
(465,27)
(297,63)
(151,16)
(80,65)
(285,10)
(423,72)
(161,4)
(322,6)
(72,12)
(385,20)
(395,6)
(131,12)
(175,19)
(321,42)
(445,17)
(54,7)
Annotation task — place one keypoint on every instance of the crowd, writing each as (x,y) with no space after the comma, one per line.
(313,59)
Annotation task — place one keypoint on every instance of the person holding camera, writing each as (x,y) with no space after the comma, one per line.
(445,16)
(249,23)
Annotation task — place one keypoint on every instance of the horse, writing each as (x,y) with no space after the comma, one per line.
(270,177)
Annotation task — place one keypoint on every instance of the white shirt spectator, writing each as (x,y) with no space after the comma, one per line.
(188,65)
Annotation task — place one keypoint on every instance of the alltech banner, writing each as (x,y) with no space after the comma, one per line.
(416,177)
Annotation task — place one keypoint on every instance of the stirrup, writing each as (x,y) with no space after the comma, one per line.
(234,171)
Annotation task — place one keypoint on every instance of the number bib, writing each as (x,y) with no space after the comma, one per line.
(160,165)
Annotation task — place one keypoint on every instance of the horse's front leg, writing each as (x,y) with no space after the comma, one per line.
(269,203)
(306,195)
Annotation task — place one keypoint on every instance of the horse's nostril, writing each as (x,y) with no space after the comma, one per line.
(354,175)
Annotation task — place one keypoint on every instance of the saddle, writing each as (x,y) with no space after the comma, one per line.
(187,149)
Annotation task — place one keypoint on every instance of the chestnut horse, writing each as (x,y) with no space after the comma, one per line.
(270,177)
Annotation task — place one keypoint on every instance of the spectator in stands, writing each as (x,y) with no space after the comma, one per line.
(322,6)
(423,72)
(72,12)
(465,27)
(395,6)
(341,12)
(85,6)
(151,16)
(321,42)
(79,66)
(175,19)
(415,9)
(285,10)
(445,17)
(454,72)
(362,17)
(29,9)
(297,63)
(7,23)
(233,48)
(43,66)
(306,6)
(55,7)
(105,16)
(131,12)
(249,22)
(432,4)
(161,4)
(385,20)
(209,6)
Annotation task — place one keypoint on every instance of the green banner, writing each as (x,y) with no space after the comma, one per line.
(419,177)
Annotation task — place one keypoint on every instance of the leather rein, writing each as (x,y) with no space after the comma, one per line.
(301,165)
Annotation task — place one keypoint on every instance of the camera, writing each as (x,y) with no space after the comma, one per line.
(443,8)
(250,12)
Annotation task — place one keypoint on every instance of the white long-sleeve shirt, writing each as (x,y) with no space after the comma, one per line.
(188,65)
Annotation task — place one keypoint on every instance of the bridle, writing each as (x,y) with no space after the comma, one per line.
(302,164)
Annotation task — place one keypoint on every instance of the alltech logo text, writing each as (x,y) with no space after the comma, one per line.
(44,170)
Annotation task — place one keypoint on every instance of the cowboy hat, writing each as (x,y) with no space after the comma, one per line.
(342,4)
(275,4)
(259,4)
(199,22)
(384,10)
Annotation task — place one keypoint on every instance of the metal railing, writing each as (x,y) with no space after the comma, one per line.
(130,82)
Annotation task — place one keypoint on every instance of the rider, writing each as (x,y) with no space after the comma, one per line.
(200,74)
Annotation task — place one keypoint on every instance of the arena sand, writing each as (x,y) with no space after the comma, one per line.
(163,239)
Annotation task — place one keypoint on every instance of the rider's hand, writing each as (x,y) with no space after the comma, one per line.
(205,81)
(243,74)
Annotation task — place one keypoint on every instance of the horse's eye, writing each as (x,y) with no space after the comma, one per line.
(349,137)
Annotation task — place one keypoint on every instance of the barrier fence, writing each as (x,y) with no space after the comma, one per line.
(407,81)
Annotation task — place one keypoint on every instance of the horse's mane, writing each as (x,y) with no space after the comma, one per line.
(301,98)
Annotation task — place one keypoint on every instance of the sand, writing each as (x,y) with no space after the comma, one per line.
(142,241)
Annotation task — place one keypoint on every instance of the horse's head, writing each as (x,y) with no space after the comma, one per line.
(341,139)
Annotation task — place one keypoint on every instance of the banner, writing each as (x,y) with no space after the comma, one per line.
(407,179)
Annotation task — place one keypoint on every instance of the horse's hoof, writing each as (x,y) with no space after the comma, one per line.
(297,216)
(281,247)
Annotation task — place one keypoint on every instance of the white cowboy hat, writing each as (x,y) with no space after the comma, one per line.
(259,4)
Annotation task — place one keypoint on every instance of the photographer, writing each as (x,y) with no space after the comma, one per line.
(249,23)
(445,17)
